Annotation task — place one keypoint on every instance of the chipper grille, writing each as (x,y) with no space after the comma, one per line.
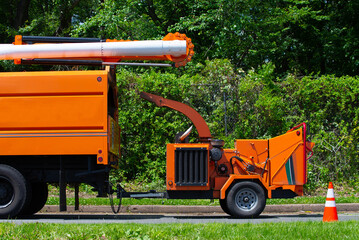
(191,167)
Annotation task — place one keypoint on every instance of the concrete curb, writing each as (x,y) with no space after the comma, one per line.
(287,208)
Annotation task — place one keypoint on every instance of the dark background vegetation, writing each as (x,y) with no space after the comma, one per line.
(261,67)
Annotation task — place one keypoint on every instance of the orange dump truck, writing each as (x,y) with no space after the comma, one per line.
(62,127)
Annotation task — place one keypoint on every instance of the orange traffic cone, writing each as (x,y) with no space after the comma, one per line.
(330,210)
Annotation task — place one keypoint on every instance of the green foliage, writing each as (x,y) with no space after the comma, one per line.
(301,37)
(118,19)
(330,105)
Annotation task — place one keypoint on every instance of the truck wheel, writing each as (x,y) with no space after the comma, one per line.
(38,199)
(223,203)
(12,191)
(246,200)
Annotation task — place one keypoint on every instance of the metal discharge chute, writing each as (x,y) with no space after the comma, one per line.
(197,120)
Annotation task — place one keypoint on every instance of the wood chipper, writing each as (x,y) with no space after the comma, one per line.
(241,178)
(62,127)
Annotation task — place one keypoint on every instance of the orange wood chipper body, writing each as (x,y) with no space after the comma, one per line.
(241,178)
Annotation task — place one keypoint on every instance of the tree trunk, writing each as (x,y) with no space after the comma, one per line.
(66,16)
(22,13)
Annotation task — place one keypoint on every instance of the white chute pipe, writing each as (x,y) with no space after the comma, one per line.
(175,48)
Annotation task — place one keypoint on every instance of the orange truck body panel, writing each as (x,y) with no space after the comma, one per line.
(56,113)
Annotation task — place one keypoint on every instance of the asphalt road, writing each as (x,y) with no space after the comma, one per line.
(169,218)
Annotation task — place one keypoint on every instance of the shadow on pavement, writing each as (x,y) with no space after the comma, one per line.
(92,216)
(139,216)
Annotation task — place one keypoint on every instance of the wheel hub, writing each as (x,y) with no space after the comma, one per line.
(246,199)
(6,193)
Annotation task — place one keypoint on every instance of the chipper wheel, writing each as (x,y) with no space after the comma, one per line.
(223,203)
(246,200)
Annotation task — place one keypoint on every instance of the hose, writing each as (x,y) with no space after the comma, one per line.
(230,161)
(110,196)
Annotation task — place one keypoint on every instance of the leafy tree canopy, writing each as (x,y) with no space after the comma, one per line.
(298,36)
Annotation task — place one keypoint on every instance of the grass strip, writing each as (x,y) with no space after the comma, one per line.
(292,230)
(206,202)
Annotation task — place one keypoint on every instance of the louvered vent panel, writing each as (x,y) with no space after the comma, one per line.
(191,166)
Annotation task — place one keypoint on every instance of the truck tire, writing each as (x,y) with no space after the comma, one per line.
(223,203)
(38,198)
(13,191)
(246,200)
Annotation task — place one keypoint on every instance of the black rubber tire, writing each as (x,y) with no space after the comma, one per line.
(246,200)
(38,199)
(223,203)
(13,191)
(28,198)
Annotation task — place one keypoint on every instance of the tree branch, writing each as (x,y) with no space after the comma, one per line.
(151,11)
(65,16)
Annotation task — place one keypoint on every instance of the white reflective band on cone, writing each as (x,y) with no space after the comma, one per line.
(330,193)
(330,204)
(175,48)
